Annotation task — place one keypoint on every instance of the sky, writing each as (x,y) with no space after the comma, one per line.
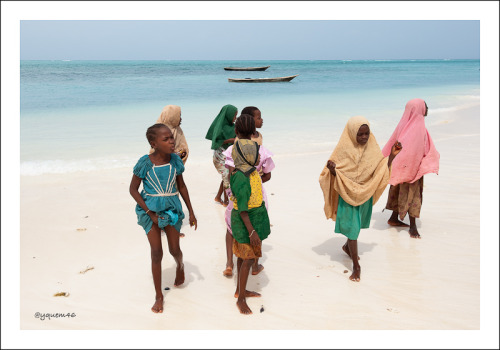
(248,39)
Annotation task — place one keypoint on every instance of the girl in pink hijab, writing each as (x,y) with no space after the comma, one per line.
(419,157)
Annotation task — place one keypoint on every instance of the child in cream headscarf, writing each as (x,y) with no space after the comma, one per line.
(352,181)
(171,117)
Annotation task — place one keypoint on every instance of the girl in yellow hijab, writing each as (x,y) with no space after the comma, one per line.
(352,181)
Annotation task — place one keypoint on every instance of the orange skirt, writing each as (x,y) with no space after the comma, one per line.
(246,251)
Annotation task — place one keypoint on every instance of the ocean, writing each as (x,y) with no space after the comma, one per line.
(91,115)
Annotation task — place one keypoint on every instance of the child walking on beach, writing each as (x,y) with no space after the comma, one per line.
(171,117)
(221,133)
(249,218)
(352,181)
(419,157)
(265,166)
(158,205)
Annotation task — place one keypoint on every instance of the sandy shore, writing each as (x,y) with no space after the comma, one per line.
(86,221)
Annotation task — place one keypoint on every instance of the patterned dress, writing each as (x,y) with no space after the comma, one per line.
(160,192)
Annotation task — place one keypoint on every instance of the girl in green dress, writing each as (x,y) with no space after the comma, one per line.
(249,218)
(352,181)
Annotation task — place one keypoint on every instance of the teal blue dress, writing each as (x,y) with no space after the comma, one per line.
(350,219)
(160,192)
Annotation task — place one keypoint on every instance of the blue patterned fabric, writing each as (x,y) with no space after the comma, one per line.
(158,182)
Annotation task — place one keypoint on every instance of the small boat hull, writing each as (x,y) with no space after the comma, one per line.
(246,68)
(262,80)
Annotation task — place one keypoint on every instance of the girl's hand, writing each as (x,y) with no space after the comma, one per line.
(331,166)
(153,216)
(193,221)
(396,148)
(254,238)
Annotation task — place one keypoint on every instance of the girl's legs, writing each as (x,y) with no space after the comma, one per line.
(413,228)
(175,250)
(228,272)
(243,271)
(394,220)
(219,193)
(154,237)
(345,248)
(356,269)
(256,267)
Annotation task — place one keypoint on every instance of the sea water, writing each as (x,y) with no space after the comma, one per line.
(91,115)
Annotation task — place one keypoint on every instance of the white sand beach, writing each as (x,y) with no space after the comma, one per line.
(86,221)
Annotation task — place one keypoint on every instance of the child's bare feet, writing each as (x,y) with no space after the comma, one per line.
(218,200)
(397,223)
(228,272)
(345,248)
(158,305)
(179,275)
(248,294)
(414,233)
(356,274)
(258,270)
(243,307)
(181,234)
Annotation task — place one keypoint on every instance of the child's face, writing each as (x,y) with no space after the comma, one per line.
(164,141)
(235,115)
(426,110)
(363,134)
(257,116)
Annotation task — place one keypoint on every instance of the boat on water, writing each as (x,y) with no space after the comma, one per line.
(262,80)
(246,68)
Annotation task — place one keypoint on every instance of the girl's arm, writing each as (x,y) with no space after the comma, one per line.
(231,141)
(134,192)
(181,185)
(396,148)
(331,166)
(254,237)
(266,177)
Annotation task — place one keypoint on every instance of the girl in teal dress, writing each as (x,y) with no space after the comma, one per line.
(158,205)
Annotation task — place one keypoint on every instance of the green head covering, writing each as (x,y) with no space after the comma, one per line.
(245,154)
(222,127)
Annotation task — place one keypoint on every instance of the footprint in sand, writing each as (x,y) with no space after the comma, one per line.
(61,294)
(81,229)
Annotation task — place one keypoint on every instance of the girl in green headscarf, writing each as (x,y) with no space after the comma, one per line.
(222,135)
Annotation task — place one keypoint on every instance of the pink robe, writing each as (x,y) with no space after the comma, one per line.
(418,156)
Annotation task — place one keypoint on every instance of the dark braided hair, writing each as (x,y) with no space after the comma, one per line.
(245,125)
(151,132)
(249,110)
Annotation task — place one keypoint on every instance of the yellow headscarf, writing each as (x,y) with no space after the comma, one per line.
(247,160)
(361,170)
(171,117)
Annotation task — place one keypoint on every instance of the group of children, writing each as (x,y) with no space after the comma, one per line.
(352,181)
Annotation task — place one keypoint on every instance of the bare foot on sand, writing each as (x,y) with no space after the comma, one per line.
(414,233)
(259,269)
(248,294)
(181,234)
(397,223)
(158,306)
(345,248)
(179,276)
(228,272)
(243,307)
(356,274)
(218,201)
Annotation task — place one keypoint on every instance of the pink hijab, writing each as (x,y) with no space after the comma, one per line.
(418,156)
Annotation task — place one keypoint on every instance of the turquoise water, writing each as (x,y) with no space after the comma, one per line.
(86,115)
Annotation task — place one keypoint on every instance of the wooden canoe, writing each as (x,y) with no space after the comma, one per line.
(262,80)
(246,68)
